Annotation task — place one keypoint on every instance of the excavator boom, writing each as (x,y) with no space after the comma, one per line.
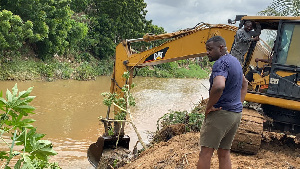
(181,45)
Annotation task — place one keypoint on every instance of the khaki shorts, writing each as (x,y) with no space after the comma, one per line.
(219,129)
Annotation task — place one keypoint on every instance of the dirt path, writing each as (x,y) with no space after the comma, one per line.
(181,152)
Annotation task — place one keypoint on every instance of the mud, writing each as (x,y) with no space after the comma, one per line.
(181,152)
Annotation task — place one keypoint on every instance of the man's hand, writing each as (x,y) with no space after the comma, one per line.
(215,94)
(256,38)
(208,110)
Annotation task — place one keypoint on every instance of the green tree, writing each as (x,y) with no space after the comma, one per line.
(77,33)
(127,16)
(282,8)
(101,36)
(113,21)
(13,32)
(52,24)
(79,6)
(96,27)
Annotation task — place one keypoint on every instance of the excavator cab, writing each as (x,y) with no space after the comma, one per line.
(277,77)
(284,78)
(281,76)
(285,69)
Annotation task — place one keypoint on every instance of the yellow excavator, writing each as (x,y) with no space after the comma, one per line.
(275,87)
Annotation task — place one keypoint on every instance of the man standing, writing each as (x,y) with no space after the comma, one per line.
(228,88)
(243,38)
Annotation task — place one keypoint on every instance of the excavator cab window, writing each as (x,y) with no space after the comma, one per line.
(288,47)
(285,68)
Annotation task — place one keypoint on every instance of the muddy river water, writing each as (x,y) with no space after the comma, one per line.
(67,111)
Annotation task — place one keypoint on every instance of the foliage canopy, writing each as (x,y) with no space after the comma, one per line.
(63,27)
(282,8)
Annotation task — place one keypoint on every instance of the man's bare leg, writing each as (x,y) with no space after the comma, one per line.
(224,159)
(205,157)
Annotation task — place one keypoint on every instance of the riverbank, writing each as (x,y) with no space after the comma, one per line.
(182,151)
(174,147)
(24,68)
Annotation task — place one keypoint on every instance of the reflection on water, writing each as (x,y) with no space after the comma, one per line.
(67,111)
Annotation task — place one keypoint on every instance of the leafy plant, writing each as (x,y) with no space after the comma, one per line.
(111,131)
(85,72)
(177,69)
(115,163)
(122,105)
(35,152)
(193,121)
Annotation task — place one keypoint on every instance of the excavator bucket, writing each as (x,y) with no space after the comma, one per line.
(95,150)
(94,154)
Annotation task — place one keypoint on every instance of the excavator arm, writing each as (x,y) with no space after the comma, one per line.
(184,44)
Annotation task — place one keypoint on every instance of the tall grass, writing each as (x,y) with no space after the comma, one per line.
(179,69)
(86,67)
(22,68)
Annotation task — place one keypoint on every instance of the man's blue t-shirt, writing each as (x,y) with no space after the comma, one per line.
(229,67)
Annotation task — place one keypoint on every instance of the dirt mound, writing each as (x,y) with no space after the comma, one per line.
(168,132)
(181,152)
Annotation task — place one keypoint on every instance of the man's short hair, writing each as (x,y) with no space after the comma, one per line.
(247,22)
(218,39)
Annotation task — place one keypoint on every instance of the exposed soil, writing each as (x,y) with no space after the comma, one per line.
(181,152)
(176,149)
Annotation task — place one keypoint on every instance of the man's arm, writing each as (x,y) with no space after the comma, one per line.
(262,60)
(244,89)
(242,37)
(215,93)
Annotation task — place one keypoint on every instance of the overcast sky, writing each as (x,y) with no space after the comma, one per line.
(174,15)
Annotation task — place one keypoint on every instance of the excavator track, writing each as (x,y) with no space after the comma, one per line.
(249,134)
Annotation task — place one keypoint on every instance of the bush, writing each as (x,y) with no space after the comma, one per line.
(178,69)
(47,71)
(63,70)
(145,72)
(85,72)
(104,67)
(18,69)
(35,152)
(192,121)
